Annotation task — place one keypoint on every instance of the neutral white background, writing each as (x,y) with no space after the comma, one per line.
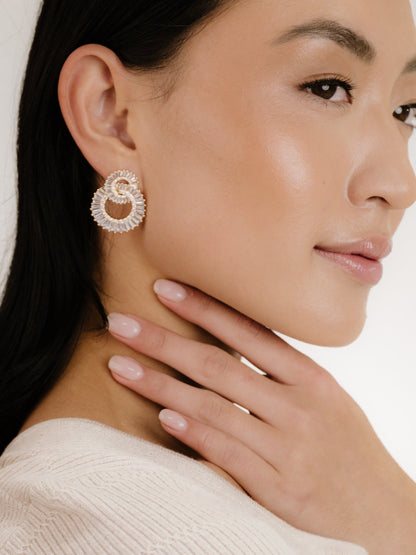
(378,369)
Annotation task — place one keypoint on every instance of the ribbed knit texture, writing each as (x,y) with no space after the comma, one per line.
(74,486)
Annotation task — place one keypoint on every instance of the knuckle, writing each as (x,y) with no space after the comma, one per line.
(159,386)
(318,376)
(325,384)
(215,364)
(224,453)
(311,425)
(306,422)
(303,417)
(207,443)
(298,494)
(249,328)
(211,409)
(230,457)
(156,339)
(155,384)
(299,483)
(201,302)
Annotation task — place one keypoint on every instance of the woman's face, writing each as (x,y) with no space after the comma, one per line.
(247,166)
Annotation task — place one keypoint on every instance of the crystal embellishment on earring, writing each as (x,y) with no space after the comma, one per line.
(120,187)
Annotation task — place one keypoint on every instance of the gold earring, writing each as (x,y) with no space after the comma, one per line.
(120,187)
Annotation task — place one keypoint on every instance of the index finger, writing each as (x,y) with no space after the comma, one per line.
(257,343)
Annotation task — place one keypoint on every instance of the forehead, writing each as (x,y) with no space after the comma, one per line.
(239,44)
(388,24)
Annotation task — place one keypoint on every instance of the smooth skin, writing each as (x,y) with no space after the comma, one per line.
(246,165)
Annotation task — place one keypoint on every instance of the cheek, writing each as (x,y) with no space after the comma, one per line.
(233,205)
(236,209)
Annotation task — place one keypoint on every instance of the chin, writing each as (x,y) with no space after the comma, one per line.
(333,334)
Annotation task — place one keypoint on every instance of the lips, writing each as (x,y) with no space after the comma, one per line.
(374,248)
(361,259)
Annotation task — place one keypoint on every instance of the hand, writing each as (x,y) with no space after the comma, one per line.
(306,451)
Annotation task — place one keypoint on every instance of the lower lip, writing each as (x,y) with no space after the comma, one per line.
(366,271)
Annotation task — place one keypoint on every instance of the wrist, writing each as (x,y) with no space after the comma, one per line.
(395,531)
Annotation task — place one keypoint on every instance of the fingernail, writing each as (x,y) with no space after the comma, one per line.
(173,420)
(169,290)
(122,325)
(125,367)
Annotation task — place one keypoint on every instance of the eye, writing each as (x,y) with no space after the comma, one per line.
(333,90)
(406,114)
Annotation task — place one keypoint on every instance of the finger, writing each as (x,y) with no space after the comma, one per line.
(257,477)
(205,364)
(202,405)
(255,342)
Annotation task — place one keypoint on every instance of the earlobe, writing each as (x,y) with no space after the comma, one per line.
(91,99)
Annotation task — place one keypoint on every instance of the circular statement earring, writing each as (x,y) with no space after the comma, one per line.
(120,187)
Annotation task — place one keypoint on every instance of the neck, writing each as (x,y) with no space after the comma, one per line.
(87,389)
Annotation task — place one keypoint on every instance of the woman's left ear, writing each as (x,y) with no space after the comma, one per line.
(93,97)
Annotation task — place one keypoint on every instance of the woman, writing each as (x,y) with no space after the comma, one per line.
(263,147)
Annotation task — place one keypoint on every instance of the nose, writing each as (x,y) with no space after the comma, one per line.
(384,170)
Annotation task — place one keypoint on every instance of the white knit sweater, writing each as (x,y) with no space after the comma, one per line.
(74,486)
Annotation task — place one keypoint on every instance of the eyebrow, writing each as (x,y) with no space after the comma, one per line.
(343,36)
(410,66)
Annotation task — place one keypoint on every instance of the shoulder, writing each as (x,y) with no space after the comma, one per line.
(82,484)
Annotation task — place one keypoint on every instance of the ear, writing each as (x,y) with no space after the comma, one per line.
(92,92)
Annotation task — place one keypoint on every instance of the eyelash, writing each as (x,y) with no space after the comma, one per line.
(335,80)
(348,86)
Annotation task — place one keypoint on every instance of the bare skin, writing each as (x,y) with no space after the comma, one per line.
(244,173)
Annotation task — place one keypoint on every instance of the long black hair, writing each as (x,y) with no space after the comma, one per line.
(50,290)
